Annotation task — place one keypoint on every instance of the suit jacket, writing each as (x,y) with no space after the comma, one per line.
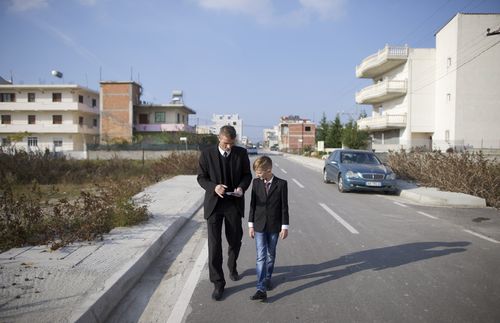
(210,175)
(269,212)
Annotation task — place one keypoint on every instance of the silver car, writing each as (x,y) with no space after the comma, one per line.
(358,170)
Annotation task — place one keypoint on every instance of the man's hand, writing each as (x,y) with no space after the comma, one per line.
(238,191)
(283,234)
(220,189)
(251,232)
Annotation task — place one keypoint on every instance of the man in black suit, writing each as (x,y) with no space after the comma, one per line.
(224,173)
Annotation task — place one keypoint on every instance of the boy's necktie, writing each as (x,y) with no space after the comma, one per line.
(268,185)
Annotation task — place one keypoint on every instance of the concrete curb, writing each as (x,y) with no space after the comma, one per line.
(434,197)
(98,306)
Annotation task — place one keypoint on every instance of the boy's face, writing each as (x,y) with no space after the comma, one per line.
(264,173)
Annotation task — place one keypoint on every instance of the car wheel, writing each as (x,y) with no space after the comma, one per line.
(325,177)
(340,184)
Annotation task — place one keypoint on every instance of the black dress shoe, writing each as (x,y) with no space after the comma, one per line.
(217,293)
(234,276)
(269,285)
(259,295)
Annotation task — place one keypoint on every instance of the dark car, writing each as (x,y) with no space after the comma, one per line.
(358,170)
(252,150)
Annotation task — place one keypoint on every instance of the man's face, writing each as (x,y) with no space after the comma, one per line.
(225,143)
(264,174)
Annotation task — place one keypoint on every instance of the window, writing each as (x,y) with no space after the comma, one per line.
(80,121)
(56,97)
(159,117)
(80,98)
(94,103)
(5,118)
(31,97)
(57,142)
(307,128)
(448,62)
(448,97)
(143,118)
(94,122)
(32,141)
(7,97)
(6,141)
(57,119)
(234,123)
(31,119)
(178,118)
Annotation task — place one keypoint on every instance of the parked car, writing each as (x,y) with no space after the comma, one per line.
(252,150)
(358,170)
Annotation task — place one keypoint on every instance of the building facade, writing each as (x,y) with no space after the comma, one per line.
(436,98)
(123,114)
(219,120)
(296,134)
(54,117)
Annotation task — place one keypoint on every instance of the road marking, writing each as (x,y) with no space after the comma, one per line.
(338,218)
(298,183)
(182,303)
(284,171)
(427,215)
(400,204)
(481,236)
(276,164)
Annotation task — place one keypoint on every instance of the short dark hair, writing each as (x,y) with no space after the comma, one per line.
(228,131)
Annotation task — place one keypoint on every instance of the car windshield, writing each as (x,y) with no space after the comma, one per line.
(359,158)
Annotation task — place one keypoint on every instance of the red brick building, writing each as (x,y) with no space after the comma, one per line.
(296,134)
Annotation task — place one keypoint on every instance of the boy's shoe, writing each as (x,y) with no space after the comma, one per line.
(259,295)
(269,284)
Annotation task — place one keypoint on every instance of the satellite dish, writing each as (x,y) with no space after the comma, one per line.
(56,74)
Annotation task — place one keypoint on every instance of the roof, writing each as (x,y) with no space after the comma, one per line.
(47,87)
(464,13)
(168,106)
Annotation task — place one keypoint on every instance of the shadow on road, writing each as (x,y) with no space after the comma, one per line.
(374,259)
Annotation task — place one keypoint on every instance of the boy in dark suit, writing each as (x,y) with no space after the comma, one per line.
(268,220)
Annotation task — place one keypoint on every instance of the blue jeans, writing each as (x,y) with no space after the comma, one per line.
(265,244)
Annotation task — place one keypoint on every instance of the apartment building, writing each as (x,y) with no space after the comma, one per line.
(219,120)
(54,117)
(436,98)
(296,133)
(124,114)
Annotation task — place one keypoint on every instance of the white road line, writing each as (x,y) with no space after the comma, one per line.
(284,171)
(400,204)
(182,303)
(338,218)
(298,183)
(481,236)
(276,164)
(427,215)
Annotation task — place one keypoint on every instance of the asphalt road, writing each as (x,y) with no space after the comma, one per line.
(352,257)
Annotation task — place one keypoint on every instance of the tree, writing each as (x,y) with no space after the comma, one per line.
(322,129)
(354,138)
(334,135)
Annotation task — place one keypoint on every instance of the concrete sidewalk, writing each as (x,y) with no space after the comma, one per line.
(429,196)
(83,282)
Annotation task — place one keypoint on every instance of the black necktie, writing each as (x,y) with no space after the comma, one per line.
(225,154)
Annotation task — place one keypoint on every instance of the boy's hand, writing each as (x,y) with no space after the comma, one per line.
(283,234)
(251,232)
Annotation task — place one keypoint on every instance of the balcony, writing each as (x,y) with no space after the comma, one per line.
(388,121)
(384,60)
(49,128)
(380,92)
(161,127)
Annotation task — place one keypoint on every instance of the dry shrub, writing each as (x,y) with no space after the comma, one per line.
(176,164)
(469,173)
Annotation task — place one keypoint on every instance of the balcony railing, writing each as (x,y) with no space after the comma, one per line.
(382,61)
(380,92)
(387,121)
(49,128)
(160,127)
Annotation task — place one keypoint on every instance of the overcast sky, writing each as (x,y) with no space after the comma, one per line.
(261,59)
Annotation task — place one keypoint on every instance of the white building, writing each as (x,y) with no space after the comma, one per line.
(271,137)
(55,117)
(436,98)
(219,120)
